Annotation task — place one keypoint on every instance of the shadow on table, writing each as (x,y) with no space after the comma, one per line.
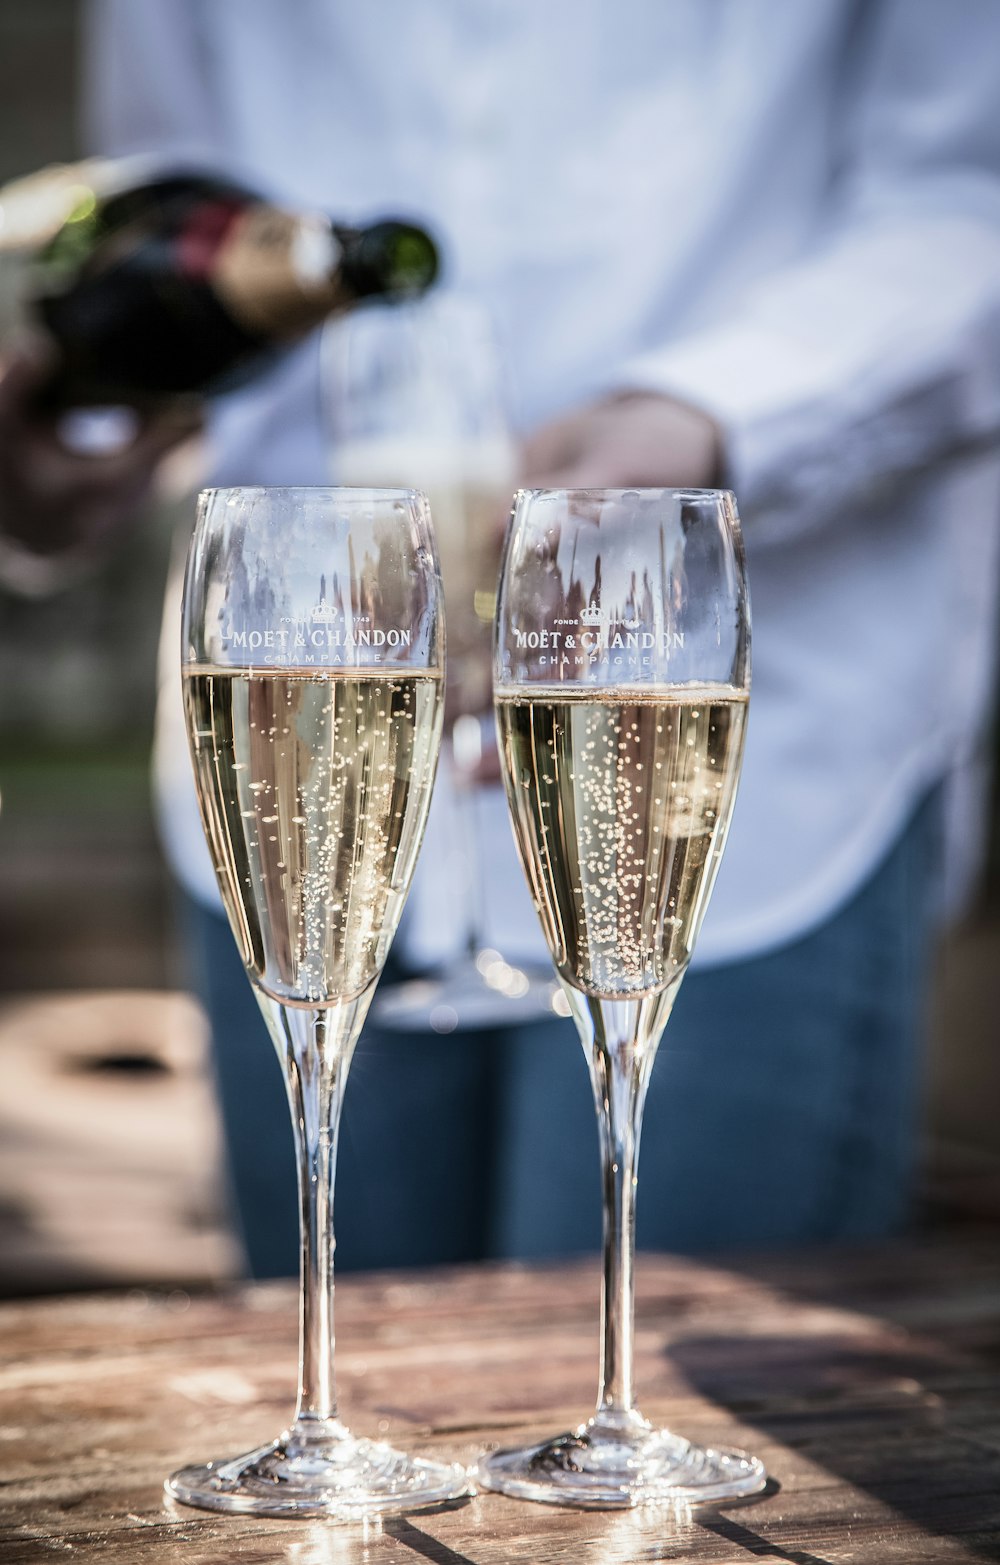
(893,1385)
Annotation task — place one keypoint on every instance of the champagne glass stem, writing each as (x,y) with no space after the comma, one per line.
(474,906)
(318,1096)
(316,1046)
(466,754)
(620,1037)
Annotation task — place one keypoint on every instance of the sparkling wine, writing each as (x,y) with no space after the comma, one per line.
(621,801)
(314,791)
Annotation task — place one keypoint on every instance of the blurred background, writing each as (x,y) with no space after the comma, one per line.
(109,1171)
(108,1141)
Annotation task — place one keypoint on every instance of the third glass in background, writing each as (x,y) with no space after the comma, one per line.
(415,394)
(415,397)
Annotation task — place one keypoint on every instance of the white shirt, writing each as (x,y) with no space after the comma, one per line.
(787,214)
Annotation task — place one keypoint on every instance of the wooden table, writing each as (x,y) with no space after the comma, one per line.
(868,1381)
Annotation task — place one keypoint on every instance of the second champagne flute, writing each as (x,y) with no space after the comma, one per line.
(313,663)
(621,679)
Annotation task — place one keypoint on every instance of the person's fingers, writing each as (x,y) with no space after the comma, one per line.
(555,444)
(55,498)
(553,478)
(592,469)
(643,440)
(53,472)
(25,365)
(138,460)
(166,431)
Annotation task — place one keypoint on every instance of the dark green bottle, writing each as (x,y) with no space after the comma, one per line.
(190,284)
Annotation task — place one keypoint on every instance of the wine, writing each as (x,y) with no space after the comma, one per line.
(314,789)
(621,802)
(190,282)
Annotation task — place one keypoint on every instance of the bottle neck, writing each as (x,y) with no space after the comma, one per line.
(277,273)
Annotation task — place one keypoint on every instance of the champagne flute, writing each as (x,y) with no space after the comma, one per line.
(621,678)
(415,394)
(313,665)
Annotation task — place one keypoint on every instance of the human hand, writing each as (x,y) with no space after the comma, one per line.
(638,437)
(62,508)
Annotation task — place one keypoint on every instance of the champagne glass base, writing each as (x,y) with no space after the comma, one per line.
(339,1477)
(609,1468)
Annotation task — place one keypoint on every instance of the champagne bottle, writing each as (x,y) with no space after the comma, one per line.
(189,283)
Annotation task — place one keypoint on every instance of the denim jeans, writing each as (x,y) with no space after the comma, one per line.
(784,1105)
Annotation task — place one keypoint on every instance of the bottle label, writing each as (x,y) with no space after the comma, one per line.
(276,272)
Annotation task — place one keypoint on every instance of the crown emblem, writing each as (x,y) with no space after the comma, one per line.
(323,613)
(591,615)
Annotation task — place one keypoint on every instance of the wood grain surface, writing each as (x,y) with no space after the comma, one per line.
(868,1381)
